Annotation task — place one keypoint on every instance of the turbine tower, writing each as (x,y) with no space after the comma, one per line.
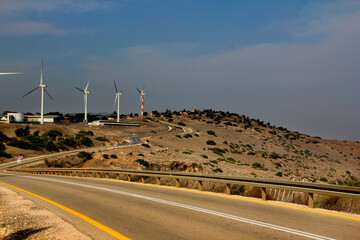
(42,86)
(142,94)
(86,92)
(117,97)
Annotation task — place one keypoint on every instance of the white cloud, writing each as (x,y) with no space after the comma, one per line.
(30,27)
(16,16)
(15,7)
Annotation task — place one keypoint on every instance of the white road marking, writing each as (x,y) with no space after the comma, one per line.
(185,206)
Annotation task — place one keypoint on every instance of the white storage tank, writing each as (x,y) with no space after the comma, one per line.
(15,117)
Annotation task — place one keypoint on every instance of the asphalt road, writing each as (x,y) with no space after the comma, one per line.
(148,212)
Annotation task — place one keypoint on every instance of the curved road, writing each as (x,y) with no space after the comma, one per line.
(141,211)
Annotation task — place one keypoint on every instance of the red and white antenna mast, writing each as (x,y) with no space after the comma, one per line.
(142,94)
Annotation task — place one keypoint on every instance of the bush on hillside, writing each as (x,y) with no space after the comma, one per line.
(20,132)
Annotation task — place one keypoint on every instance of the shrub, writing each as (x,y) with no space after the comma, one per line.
(84,133)
(2,147)
(257,165)
(278,164)
(4,154)
(323,179)
(274,155)
(86,142)
(187,136)
(106,156)
(69,141)
(279,174)
(113,156)
(85,155)
(145,145)
(53,134)
(143,162)
(103,139)
(204,156)
(3,137)
(218,170)
(218,151)
(186,152)
(20,132)
(251,153)
(210,132)
(181,123)
(50,146)
(210,142)
(178,136)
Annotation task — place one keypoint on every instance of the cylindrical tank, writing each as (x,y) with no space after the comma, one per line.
(15,117)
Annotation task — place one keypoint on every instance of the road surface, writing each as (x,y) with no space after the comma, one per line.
(140,211)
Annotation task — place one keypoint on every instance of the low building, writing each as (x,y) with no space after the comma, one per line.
(47,118)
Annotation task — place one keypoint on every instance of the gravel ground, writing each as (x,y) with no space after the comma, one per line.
(23,219)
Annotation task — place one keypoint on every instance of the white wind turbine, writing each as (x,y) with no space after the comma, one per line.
(86,92)
(42,86)
(117,97)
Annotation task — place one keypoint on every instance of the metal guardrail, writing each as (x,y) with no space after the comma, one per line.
(263,184)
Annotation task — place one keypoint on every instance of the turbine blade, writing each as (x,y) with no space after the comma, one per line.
(31,91)
(80,89)
(138,90)
(48,94)
(11,73)
(115,87)
(87,85)
(41,76)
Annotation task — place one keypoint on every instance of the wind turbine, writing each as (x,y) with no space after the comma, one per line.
(117,97)
(86,92)
(142,94)
(42,86)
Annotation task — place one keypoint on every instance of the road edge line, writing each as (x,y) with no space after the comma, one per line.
(73,212)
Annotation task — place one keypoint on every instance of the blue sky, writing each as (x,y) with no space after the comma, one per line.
(293,63)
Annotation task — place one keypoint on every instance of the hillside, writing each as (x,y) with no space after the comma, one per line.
(231,144)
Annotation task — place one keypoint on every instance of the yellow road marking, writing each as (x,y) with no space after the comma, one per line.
(83,217)
(217,195)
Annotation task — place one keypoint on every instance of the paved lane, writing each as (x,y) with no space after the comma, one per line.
(147,212)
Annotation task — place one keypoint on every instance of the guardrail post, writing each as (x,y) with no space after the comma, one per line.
(98,175)
(311,200)
(158,180)
(228,191)
(117,176)
(129,178)
(107,175)
(263,193)
(200,185)
(177,183)
(82,174)
(142,180)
